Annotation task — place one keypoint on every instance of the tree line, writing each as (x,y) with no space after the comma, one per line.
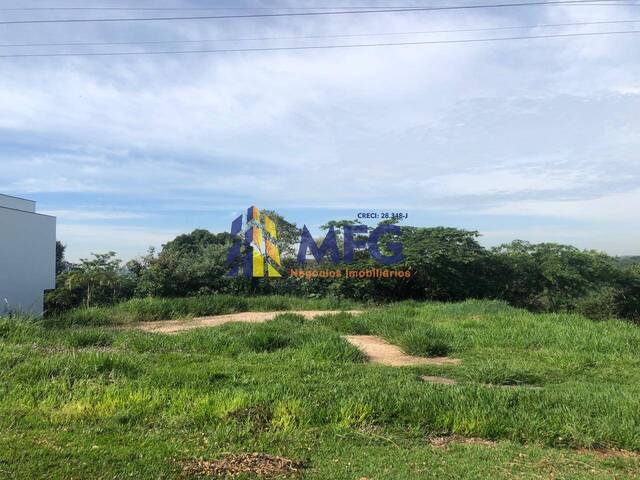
(447,264)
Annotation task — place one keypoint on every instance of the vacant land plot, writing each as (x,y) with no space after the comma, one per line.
(292,396)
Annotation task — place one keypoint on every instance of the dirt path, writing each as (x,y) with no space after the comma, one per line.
(175,326)
(380,351)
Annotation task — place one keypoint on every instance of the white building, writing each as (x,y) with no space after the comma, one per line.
(27,255)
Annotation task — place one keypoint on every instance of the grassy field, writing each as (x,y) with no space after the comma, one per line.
(103,402)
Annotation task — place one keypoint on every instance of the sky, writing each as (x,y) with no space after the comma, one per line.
(526,139)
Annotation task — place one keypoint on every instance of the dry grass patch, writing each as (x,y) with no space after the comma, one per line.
(445,441)
(608,453)
(233,465)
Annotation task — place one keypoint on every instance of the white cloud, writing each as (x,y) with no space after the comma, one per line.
(498,182)
(128,242)
(617,208)
(83,215)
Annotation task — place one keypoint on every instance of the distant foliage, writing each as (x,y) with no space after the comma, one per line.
(61,264)
(191,264)
(552,277)
(447,264)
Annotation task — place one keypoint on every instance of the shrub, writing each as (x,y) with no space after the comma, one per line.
(601,304)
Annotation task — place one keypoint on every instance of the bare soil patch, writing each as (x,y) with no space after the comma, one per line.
(175,326)
(260,464)
(378,350)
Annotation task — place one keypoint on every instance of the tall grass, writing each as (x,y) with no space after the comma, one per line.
(149,309)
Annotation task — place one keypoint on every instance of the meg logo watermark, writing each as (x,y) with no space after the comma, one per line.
(258,234)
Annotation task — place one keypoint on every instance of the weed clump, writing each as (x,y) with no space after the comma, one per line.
(426,341)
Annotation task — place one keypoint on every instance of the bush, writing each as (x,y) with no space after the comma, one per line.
(601,304)
(94,282)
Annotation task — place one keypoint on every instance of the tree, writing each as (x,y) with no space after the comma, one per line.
(288,234)
(61,298)
(193,263)
(61,264)
(338,226)
(101,279)
(446,263)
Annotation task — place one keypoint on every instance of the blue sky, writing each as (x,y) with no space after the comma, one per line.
(533,139)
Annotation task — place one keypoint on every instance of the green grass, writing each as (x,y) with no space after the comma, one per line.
(99,402)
